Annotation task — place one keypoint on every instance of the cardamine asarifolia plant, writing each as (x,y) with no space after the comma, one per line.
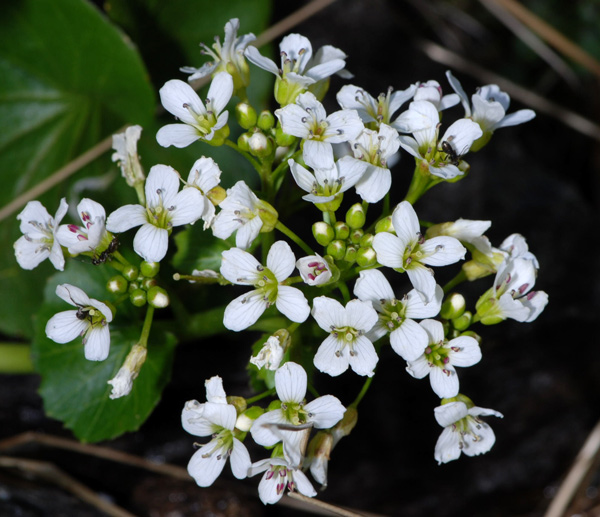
(326,305)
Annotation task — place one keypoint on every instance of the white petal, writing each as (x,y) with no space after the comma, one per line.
(262,428)
(161,186)
(177,135)
(444,382)
(418,368)
(151,243)
(239,266)
(447,447)
(318,155)
(175,94)
(326,411)
(327,361)
(248,232)
(406,223)
(207,463)
(255,57)
(97,343)
(416,308)
(281,260)
(469,352)
(126,217)
(244,311)
(373,285)
(448,414)
(518,117)
(72,295)
(304,179)
(292,303)
(303,484)
(434,329)
(360,315)
(214,390)
(363,357)
(441,251)
(291,382)
(189,207)
(343,125)
(220,91)
(240,459)
(484,442)
(423,281)
(374,184)
(409,340)
(65,326)
(389,249)
(327,312)
(293,121)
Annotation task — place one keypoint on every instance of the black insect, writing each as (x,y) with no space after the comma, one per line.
(107,253)
(452,156)
(81,313)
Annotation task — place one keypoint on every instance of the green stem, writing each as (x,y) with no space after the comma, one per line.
(293,280)
(146,328)
(331,216)
(461,277)
(261,396)
(141,194)
(418,185)
(362,393)
(341,285)
(290,234)
(121,258)
(16,358)
(313,390)
(266,242)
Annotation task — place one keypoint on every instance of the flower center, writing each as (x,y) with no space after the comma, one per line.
(316,268)
(159,215)
(266,284)
(295,413)
(204,122)
(437,354)
(392,313)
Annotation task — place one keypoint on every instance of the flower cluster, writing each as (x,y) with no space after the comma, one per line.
(375,278)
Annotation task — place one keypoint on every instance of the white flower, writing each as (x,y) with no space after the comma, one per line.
(515,246)
(431,91)
(291,423)
(441,356)
(346,344)
(205,175)
(90,321)
(463,431)
(78,239)
(226,58)
(299,69)
(442,157)
(369,109)
(375,148)
(126,155)
(39,240)
(122,383)
(329,181)
(307,119)
(409,251)
(466,231)
(239,267)
(511,295)
(199,122)
(270,355)
(407,337)
(214,418)
(314,270)
(165,208)
(279,475)
(240,211)
(490,105)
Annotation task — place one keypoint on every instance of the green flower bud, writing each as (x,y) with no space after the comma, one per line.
(219,137)
(243,141)
(333,205)
(384,225)
(274,404)
(356,216)
(149,269)
(216,195)
(337,249)
(238,402)
(148,283)
(350,255)
(266,120)
(131,273)
(488,312)
(268,215)
(283,139)
(453,306)
(133,286)
(158,297)
(245,114)
(246,419)
(472,334)
(323,233)
(356,235)
(138,297)
(366,241)
(286,92)
(366,257)
(341,230)
(259,145)
(463,321)
(117,284)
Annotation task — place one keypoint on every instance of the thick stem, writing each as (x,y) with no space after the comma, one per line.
(146,328)
(260,396)
(459,278)
(290,234)
(418,185)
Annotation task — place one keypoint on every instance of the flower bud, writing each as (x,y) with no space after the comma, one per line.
(216,195)
(350,255)
(366,257)
(366,241)
(238,402)
(356,235)
(266,120)
(138,297)
(355,216)
(336,249)
(219,137)
(472,334)
(259,145)
(148,283)
(158,297)
(122,383)
(453,306)
(131,273)
(384,225)
(117,284)
(243,141)
(314,270)
(318,455)
(149,269)
(270,355)
(245,114)
(463,321)
(323,233)
(268,215)
(246,419)
(488,311)
(341,230)
(283,139)
(286,92)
